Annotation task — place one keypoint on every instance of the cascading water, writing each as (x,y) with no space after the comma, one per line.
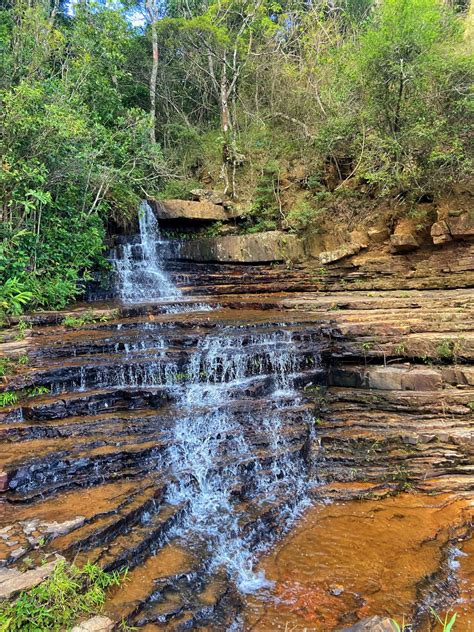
(226,456)
(226,459)
(140,266)
(171,440)
(213,449)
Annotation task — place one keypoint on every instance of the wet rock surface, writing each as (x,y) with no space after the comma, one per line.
(166,440)
(358,565)
(381,396)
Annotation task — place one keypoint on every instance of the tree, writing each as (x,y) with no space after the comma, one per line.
(218,45)
(73,155)
(153,13)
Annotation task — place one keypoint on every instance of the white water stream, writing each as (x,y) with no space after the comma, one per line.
(213,450)
(140,266)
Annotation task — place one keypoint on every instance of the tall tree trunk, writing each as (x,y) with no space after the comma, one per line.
(153,16)
(226,126)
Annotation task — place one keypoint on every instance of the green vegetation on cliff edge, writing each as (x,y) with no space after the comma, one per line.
(100,107)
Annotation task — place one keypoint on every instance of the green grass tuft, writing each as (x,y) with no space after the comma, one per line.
(58,602)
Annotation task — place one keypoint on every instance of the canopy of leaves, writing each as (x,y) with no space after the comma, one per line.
(376,92)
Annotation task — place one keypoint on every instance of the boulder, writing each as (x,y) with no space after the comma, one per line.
(440,233)
(256,248)
(96,624)
(373,624)
(12,581)
(461,226)
(378,235)
(404,242)
(189,210)
(406,237)
(346,250)
(405,378)
(422,380)
(386,378)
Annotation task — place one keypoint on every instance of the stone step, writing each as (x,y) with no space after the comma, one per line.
(48,348)
(85,403)
(135,543)
(74,515)
(408,377)
(449,401)
(140,421)
(59,471)
(438,348)
(160,368)
(60,464)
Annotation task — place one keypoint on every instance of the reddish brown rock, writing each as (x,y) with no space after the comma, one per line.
(440,233)
(189,210)
(462,226)
(344,251)
(403,243)
(386,378)
(422,380)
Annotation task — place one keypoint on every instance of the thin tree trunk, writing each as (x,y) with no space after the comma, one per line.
(152,13)
(226,126)
(401,85)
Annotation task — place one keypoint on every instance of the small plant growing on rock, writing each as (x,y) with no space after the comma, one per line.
(22,327)
(8,366)
(33,391)
(5,367)
(87,318)
(449,349)
(8,398)
(400,349)
(60,600)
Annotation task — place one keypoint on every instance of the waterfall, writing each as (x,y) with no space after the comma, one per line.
(140,266)
(213,449)
(236,448)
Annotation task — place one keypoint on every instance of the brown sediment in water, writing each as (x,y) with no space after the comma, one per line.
(345,561)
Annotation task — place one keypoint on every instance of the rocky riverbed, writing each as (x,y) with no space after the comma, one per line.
(273,446)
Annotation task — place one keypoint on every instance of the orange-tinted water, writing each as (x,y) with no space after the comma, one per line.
(347,561)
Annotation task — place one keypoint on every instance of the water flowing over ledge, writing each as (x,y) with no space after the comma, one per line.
(181,438)
(140,266)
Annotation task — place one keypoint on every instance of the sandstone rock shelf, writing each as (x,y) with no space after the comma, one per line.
(387,398)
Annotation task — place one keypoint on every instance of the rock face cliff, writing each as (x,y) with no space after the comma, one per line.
(323,368)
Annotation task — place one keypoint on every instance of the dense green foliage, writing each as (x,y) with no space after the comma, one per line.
(378,93)
(56,603)
(73,153)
